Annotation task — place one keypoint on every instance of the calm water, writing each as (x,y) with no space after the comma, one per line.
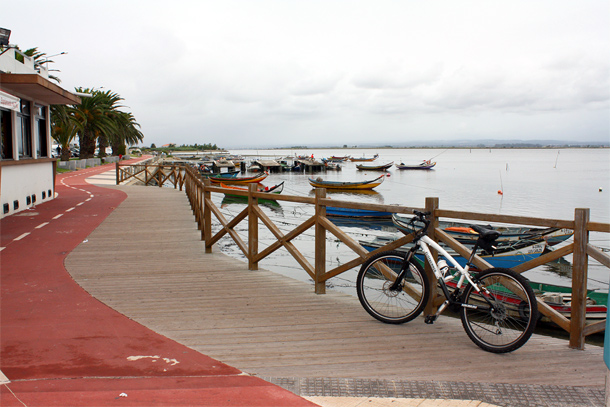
(545,183)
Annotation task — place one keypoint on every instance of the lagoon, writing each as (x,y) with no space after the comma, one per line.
(544,183)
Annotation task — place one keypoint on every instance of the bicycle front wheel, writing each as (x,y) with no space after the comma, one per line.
(379,299)
(502,317)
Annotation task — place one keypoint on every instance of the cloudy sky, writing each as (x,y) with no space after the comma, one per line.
(260,73)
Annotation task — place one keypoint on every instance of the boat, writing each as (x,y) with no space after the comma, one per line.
(239,180)
(362,159)
(506,256)
(331,165)
(560,299)
(335,158)
(357,185)
(463,233)
(228,174)
(557,297)
(357,213)
(382,167)
(242,201)
(276,189)
(425,165)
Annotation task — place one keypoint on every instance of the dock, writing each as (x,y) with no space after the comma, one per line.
(148,262)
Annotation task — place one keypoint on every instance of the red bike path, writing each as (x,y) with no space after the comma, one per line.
(62,347)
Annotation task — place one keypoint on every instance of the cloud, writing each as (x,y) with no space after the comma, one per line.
(239,72)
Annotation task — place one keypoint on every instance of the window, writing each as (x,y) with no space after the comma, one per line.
(6,142)
(40,129)
(23,130)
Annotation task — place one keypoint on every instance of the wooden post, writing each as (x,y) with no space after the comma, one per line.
(580,262)
(207,216)
(431,206)
(252,227)
(117,173)
(320,243)
(160,176)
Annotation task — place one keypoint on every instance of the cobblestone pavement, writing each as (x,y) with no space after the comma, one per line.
(505,395)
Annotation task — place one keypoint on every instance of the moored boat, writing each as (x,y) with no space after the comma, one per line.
(239,180)
(346,185)
(463,233)
(507,256)
(382,167)
(354,159)
(425,165)
(357,213)
(228,174)
(276,189)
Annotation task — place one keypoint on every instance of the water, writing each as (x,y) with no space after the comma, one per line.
(542,183)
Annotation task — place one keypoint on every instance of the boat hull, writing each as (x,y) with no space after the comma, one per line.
(354,186)
(463,233)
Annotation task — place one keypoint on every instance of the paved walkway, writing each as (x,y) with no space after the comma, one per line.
(62,347)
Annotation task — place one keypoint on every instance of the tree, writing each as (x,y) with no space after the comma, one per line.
(63,129)
(95,119)
(126,132)
(39,59)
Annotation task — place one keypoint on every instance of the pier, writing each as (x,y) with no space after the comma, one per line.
(157,272)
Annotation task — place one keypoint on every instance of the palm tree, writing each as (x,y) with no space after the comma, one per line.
(63,129)
(94,119)
(127,132)
(39,59)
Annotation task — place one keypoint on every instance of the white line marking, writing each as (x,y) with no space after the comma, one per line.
(58,216)
(21,237)
(70,210)
(41,225)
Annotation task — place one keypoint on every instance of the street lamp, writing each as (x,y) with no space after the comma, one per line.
(50,56)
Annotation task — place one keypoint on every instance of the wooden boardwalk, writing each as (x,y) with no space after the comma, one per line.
(147,261)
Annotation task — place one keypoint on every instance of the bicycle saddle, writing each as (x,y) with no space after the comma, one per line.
(486,233)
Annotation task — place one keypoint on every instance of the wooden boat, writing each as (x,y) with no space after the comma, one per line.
(425,165)
(463,233)
(507,256)
(357,185)
(362,159)
(357,213)
(382,167)
(335,158)
(239,180)
(560,299)
(276,189)
(228,174)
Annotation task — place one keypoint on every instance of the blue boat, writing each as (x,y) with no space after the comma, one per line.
(507,256)
(356,213)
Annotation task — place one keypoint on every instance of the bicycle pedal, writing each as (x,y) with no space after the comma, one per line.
(429,319)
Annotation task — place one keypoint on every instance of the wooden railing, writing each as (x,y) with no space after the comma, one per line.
(199,192)
(149,173)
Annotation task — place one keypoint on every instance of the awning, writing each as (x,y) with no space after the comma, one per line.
(9,101)
(35,87)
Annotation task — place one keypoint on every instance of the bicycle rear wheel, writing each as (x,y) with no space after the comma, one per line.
(510,321)
(374,283)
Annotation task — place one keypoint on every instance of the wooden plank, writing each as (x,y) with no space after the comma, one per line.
(598,255)
(515,220)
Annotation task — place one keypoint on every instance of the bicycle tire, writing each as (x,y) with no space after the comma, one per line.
(511,322)
(391,306)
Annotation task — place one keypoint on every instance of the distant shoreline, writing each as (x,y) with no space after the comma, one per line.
(478,147)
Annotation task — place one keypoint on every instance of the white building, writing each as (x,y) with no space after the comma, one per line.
(27,169)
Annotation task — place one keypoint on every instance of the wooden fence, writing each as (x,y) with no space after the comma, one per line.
(199,192)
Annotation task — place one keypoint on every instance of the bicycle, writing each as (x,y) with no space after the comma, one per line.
(497,306)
